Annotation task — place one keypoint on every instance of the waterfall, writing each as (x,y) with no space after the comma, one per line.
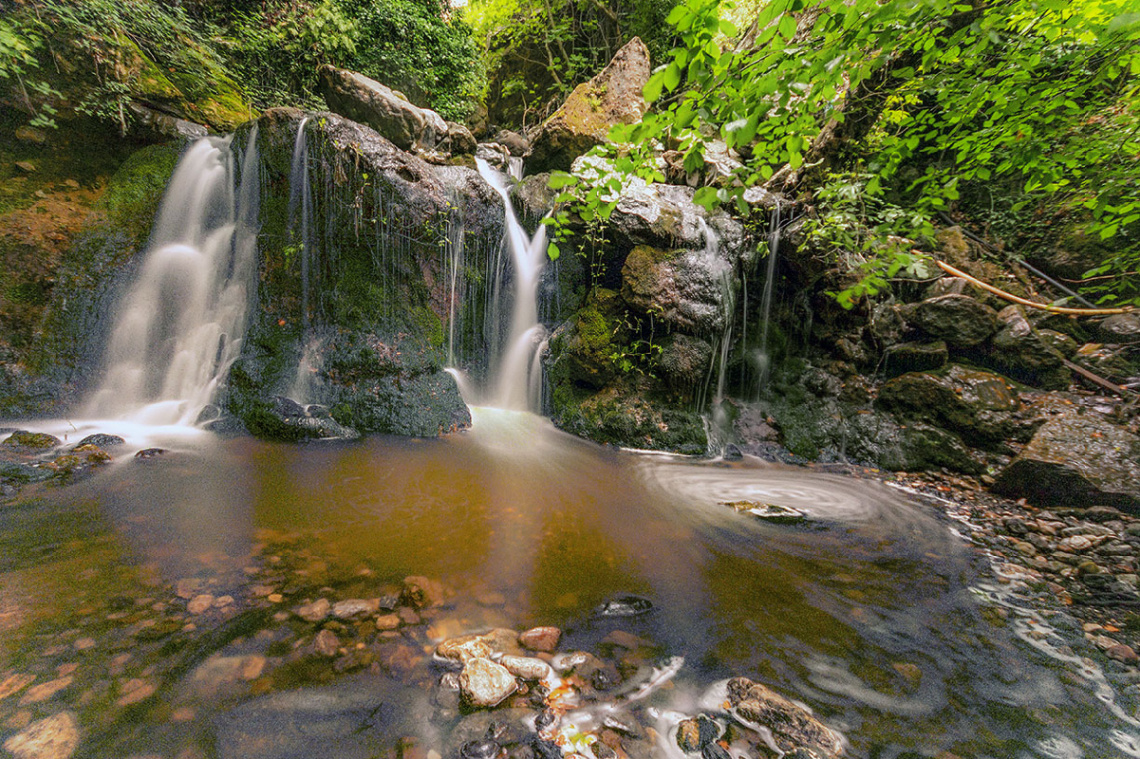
(512,381)
(180,326)
(301,215)
(763,357)
(716,424)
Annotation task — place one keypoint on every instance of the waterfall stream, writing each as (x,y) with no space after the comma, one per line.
(181,324)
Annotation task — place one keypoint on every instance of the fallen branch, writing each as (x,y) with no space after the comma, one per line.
(1025,302)
(1099,381)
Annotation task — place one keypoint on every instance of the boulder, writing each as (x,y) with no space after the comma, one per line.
(665,216)
(1120,328)
(460,141)
(684,361)
(973,403)
(156,126)
(484,684)
(513,141)
(583,121)
(1030,355)
(795,731)
(914,357)
(1076,461)
(365,100)
(958,319)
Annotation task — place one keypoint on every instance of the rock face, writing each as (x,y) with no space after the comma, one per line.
(794,730)
(359,98)
(612,97)
(1076,462)
(685,289)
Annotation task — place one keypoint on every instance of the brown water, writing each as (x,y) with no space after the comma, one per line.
(873,612)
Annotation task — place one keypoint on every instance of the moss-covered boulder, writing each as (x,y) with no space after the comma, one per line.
(583,121)
(958,319)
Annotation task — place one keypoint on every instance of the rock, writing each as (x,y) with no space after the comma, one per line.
(958,319)
(684,360)
(914,357)
(515,143)
(421,592)
(464,649)
(1120,328)
(525,667)
(793,728)
(665,217)
(481,749)
(135,691)
(355,607)
(54,737)
(101,440)
(1122,653)
(200,603)
(971,402)
(494,154)
(584,120)
(1023,353)
(543,639)
(460,141)
(315,612)
(1076,461)
(686,290)
(26,166)
(484,683)
(365,100)
(624,606)
(153,125)
(388,622)
(31,135)
(32,441)
(44,691)
(150,453)
(689,736)
(326,643)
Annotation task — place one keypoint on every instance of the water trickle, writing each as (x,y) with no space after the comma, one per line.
(763,356)
(716,423)
(181,324)
(512,386)
(301,215)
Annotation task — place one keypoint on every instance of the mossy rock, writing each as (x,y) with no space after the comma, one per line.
(32,441)
(133,194)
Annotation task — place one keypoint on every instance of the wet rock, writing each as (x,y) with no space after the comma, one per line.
(494,154)
(421,592)
(793,727)
(665,217)
(513,142)
(624,606)
(1076,461)
(315,612)
(365,100)
(914,357)
(1120,328)
(355,607)
(958,319)
(101,440)
(326,643)
(54,737)
(465,648)
(45,691)
(460,141)
(481,749)
(525,667)
(150,453)
(1024,353)
(768,512)
(686,290)
(388,622)
(684,360)
(153,125)
(543,639)
(14,683)
(484,683)
(134,691)
(968,401)
(585,118)
(200,603)
(25,440)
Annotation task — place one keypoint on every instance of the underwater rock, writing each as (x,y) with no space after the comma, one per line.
(624,606)
(958,319)
(793,728)
(54,737)
(1076,461)
(101,440)
(585,118)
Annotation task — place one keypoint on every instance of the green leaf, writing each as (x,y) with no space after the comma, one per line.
(552,252)
(652,89)
(672,76)
(788,27)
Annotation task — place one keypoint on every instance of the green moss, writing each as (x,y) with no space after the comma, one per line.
(134,192)
(429,325)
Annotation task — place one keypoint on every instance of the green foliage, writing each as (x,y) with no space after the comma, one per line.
(923,95)
(410,45)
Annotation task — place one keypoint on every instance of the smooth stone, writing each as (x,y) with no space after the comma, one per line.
(544,639)
(326,643)
(484,749)
(525,667)
(54,737)
(624,606)
(354,607)
(134,691)
(200,603)
(464,649)
(101,440)
(793,727)
(45,691)
(484,683)
(314,612)
(388,622)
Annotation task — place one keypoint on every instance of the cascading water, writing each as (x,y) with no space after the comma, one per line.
(301,215)
(717,422)
(181,324)
(511,382)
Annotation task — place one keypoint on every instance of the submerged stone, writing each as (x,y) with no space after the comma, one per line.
(624,606)
(54,737)
(793,727)
(484,683)
(32,441)
(769,512)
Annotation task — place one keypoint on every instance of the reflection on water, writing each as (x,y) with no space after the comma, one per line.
(865,611)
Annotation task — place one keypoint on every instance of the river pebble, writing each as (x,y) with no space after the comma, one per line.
(54,737)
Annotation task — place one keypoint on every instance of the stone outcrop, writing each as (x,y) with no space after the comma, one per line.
(359,98)
(958,319)
(583,121)
(1076,461)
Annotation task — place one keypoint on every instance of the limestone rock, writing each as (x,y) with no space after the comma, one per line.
(1076,461)
(612,97)
(958,319)
(793,728)
(484,683)
(54,737)
(359,98)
